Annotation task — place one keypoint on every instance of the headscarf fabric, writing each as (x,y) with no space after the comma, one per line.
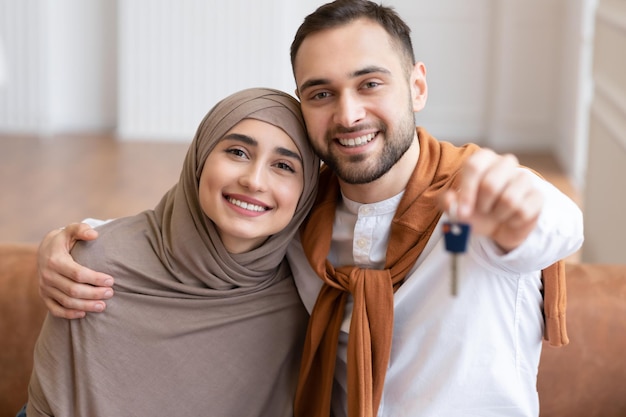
(192,329)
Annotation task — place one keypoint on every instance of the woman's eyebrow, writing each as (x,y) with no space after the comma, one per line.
(248,140)
(241,138)
(288,153)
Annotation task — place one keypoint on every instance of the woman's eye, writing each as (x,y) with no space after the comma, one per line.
(236,152)
(285,166)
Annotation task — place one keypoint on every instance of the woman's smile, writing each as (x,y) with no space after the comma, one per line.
(246,205)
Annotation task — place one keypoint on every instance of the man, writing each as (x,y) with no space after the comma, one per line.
(386,336)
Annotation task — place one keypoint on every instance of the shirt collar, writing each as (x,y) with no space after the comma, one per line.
(374,209)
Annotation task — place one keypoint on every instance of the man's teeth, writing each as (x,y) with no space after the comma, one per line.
(361,140)
(245,206)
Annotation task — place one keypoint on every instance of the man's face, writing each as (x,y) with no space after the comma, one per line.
(357,99)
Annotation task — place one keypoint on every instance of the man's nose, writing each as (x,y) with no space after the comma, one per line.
(350,110)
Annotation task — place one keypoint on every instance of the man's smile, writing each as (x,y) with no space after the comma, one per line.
(358,141)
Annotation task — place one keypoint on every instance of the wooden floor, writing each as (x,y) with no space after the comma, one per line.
(47,183)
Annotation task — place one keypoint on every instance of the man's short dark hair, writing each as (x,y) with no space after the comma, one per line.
(341,12)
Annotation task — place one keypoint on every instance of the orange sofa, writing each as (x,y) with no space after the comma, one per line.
(586,378)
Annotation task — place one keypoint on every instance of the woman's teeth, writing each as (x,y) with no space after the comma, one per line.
(244,205)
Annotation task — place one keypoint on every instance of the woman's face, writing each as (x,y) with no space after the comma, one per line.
(251,183)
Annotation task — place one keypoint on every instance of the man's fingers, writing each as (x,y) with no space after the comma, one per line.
(519,202)
(449,203)
(61,304)
(59,284)
(471,177)
(63,273)
(496,180)
(80,231)
(485,175)
(58,311)
(62,265)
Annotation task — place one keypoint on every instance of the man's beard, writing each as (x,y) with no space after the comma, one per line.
(355,171)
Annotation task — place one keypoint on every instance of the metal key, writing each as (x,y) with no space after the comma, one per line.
(456,235)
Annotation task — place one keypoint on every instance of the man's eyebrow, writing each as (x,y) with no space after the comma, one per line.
(372,69)
(253,142)
(313,83)
(369,70)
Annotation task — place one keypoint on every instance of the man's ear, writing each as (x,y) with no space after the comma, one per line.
(419,87)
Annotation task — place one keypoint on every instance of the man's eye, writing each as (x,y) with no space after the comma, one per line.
(371,84)
(321,95)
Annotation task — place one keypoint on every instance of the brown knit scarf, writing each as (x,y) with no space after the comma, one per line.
(369,343)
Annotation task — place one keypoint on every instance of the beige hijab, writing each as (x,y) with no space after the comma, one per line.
(192,330)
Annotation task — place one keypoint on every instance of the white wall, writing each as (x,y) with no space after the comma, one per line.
(458,79)
(60,61)
(574,103)
(20,96)
(80,60)
(605,196)
(177,59)
(506,74)
(524,87)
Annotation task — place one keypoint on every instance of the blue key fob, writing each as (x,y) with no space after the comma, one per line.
(456,236)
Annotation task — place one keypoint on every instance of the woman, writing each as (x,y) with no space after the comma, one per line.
(206,319)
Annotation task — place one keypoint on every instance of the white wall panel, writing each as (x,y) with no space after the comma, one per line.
(525,87)
(576,89)
(604,196)
(22,93)
(81,65)
(453,39)
(178,58)
(60,66)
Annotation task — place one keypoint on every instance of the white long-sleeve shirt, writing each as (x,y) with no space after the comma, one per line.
(475,354)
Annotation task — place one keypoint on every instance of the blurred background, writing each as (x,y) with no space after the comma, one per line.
(100,98)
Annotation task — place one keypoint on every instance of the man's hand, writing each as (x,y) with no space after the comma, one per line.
(497,198)
(68,289)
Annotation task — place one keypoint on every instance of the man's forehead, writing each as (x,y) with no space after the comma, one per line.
(323,65)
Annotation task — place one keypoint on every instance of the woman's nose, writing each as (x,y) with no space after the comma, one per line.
(254,178)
